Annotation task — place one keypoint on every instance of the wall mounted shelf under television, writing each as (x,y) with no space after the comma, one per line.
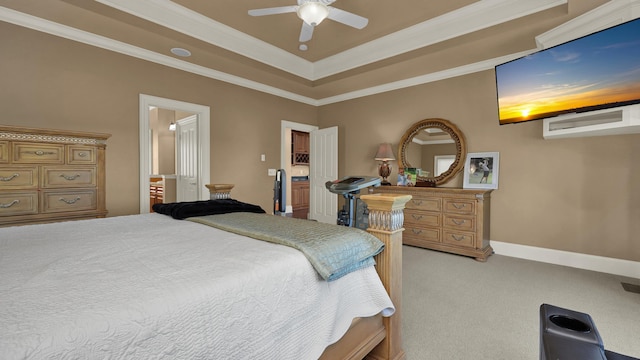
(613,121)
(582,84)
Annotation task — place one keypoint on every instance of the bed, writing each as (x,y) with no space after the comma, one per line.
(150,286)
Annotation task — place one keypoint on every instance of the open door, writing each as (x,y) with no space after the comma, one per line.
(323,167)
(187,180)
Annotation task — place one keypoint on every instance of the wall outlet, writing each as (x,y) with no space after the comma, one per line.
(272,172)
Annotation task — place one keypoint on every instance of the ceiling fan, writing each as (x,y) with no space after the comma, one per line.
(312,12)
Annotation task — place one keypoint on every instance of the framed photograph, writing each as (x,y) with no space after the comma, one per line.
(411,176)
(481,170)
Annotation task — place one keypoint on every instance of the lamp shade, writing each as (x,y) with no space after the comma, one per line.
(313,12)
(385,152)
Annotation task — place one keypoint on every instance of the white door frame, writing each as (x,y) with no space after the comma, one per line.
(204,126)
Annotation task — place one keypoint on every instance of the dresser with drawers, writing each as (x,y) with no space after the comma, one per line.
(51,175)
(446,219)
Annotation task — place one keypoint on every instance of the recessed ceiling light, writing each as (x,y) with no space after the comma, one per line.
(181,52)
(303,47)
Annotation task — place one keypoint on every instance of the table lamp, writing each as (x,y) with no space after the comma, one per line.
(384,154)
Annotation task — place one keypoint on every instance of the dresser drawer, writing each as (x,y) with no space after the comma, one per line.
(460,206)
(421,233)
(28,153)
(77,200)
(4,152)
(79,155)
(19,203)
(420,218)
(14,178)
(59,177)
(460,223)
(425,203)
(458,238)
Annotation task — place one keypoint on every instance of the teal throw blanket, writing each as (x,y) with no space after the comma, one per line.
(333,250)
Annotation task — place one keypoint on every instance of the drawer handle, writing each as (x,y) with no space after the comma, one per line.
(416,217)
(9,178)
(458,238)
(70,202)
(417,202)
(83,154)
(70,177)
(41,153)
(416,231)
(457,206)
(8,205)
(458,222)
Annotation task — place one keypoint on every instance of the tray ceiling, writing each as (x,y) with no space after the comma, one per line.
(405,42)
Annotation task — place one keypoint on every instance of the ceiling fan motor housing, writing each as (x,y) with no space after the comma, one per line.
(323,2)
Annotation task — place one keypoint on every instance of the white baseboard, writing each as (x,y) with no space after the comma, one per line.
(581,261)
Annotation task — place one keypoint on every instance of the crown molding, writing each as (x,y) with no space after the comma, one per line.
(424,79)
(477,16)
(52,28)
(613,13)
(188,22)
(471,18)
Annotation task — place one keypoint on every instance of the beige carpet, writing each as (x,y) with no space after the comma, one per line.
(457,308)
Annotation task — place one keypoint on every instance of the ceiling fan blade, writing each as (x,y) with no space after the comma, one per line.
(306,32)
(273,10)
(347,18)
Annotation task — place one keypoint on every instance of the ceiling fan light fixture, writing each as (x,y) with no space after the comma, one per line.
(313,12)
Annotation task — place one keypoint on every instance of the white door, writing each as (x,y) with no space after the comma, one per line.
(323,167)
(442,163)
(187,159)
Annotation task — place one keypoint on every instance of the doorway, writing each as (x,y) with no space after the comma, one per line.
(323,166)
(201,135)
(287,127)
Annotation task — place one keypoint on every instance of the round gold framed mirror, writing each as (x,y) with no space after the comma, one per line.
(436,147)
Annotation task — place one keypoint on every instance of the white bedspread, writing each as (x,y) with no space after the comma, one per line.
(150,287)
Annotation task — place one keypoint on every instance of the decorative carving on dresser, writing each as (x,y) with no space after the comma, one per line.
(51,175)
(446,219)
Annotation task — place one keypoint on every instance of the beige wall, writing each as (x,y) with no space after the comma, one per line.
(49,82)
(580,195)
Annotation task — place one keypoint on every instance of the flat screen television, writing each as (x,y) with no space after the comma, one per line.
(594,72)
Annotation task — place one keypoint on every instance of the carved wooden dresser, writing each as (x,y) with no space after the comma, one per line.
(446,219)
(51,175)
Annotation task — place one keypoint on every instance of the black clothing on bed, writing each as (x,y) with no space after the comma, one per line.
(183,210)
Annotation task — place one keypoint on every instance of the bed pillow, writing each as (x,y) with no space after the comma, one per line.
(183,210)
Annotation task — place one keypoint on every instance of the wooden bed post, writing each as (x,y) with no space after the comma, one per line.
(386,219)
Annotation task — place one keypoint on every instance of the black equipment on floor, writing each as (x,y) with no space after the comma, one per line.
(280,193)
(348,187)
(568,334)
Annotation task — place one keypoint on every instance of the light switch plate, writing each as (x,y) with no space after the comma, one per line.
(272,172)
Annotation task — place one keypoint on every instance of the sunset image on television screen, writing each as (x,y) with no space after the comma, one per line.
(598,71)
